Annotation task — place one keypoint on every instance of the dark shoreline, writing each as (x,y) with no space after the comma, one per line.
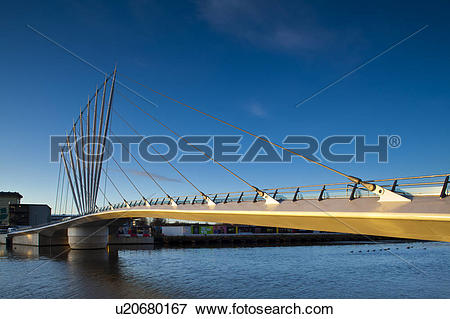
(254,240)
(272,240)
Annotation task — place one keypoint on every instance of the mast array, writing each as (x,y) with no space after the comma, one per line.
(83,159)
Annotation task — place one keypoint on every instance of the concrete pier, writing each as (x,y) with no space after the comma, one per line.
(88,237)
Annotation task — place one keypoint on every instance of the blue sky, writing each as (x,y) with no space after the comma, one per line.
(248,62)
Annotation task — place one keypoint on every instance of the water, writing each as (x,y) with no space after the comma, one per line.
(259,272)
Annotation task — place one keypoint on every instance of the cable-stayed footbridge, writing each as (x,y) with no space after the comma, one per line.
(405,207)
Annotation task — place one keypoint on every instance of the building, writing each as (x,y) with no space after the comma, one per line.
(6,199)
(176,230)
(29,214)
(186,229)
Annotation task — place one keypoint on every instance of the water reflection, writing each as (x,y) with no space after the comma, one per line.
(3,251)
(32,252)
(131,247)
(101,273)
(72,273)
(72,256)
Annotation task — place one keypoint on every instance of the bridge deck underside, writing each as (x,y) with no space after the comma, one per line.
(426,218)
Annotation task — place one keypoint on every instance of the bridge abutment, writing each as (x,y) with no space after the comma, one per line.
(88,237)
(42,239)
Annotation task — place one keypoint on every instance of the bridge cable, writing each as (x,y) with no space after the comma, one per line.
(83,163)
(108,116)
(82,111)
(142,167)
(162,156)
(104,196)
(78,160)
(80,188)
(62,193)
(67,195)
(73,189)
(107,77)
(101,87)
(88,164)
(357,180)
(76,199)
(193,146)
(112,183)
(129,179)
(57,186)
(98,135)
(106,183)
(107,163)
(72,165)
(92,149)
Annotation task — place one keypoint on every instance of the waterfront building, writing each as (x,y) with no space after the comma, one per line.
(6,199)
(187,229)
(29,214)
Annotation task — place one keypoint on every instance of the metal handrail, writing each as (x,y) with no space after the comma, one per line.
(284,192)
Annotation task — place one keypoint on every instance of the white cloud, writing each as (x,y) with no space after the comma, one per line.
(257,110)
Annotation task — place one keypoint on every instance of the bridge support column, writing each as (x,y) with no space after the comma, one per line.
(88,237)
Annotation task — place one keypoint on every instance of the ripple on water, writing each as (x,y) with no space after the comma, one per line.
(339,271)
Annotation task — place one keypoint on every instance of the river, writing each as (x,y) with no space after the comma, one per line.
(387,270)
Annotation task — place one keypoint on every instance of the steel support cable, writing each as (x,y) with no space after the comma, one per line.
(104,196)
(72,165)
(83,163)
(75,198)
(97,156)
(92,149)
(95,205)
(193,146)
(114,185)
(84,109)
(67,195)
(129,179)
(62,192)
(106,181)
(78,158)
(57,186)
(88,164)
(76,179)
(162,156)
(107,163)
(90,100)
(142,167)
(108,116)
(352,178)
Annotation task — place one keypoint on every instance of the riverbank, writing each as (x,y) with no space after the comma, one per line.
(250,240)
(267,240)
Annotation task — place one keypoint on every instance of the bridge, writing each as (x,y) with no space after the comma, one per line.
(404,207)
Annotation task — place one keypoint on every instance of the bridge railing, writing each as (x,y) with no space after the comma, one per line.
(435,185)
